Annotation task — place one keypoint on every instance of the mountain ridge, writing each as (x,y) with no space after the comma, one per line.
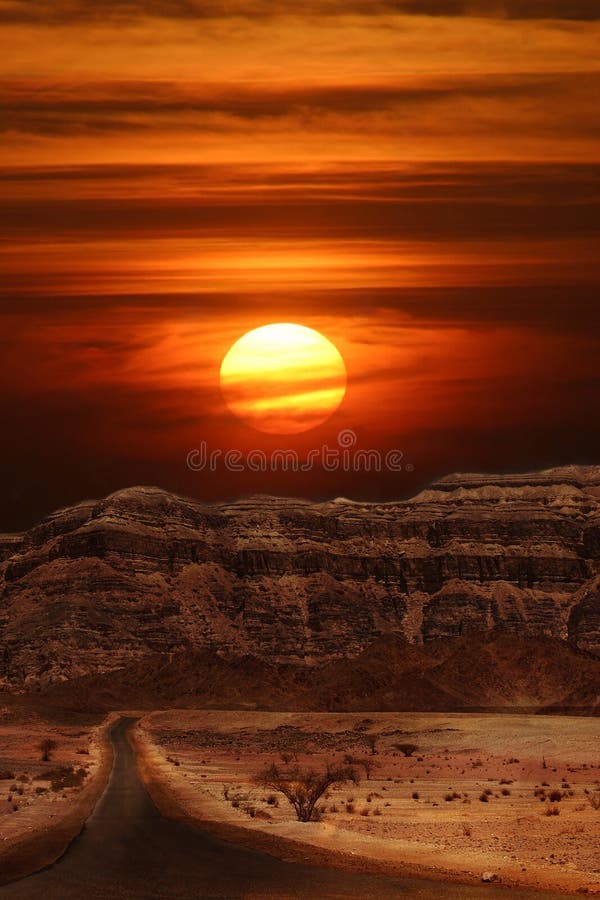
(102,585)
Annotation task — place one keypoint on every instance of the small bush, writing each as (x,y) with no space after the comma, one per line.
(415,795)
(365,811)
(407,749)
(363,725)
(552,811)
(483,797)
(555,796)
(505,792)
(350,808)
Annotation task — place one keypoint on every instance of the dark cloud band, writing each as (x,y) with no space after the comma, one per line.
(70,11)
(33,107)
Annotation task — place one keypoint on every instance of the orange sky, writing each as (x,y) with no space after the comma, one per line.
(422,188)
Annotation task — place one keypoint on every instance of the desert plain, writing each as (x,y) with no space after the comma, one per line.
(509,798)
(51,775)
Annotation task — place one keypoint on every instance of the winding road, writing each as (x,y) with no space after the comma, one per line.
(129,850)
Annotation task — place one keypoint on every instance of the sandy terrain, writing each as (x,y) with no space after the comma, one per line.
(421,814)
(43,804)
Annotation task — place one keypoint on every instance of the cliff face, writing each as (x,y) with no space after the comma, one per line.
(98,585)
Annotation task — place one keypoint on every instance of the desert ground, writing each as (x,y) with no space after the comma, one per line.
(514,799)
(46,789)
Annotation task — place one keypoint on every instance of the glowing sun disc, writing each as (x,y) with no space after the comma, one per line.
(283,378)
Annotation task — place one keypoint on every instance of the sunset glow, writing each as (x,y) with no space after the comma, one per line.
(417,181)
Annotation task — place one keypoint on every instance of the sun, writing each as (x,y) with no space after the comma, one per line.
(283,378)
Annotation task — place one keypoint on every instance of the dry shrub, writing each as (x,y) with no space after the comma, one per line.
(63,777)
(262,814)
(594,800)
(303,788)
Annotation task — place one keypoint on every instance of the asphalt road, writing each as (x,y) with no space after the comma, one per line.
(129,850)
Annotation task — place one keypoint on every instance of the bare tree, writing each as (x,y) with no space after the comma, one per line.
(371,740)
(407,749)
(303,788)
(366,763)
(46,746)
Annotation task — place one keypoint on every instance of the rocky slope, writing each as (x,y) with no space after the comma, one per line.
(142,573)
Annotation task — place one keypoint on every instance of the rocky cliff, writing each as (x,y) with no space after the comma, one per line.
(97,586)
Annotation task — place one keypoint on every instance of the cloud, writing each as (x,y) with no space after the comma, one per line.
(560,309)
(511,202)
(69,11)
(54,108)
